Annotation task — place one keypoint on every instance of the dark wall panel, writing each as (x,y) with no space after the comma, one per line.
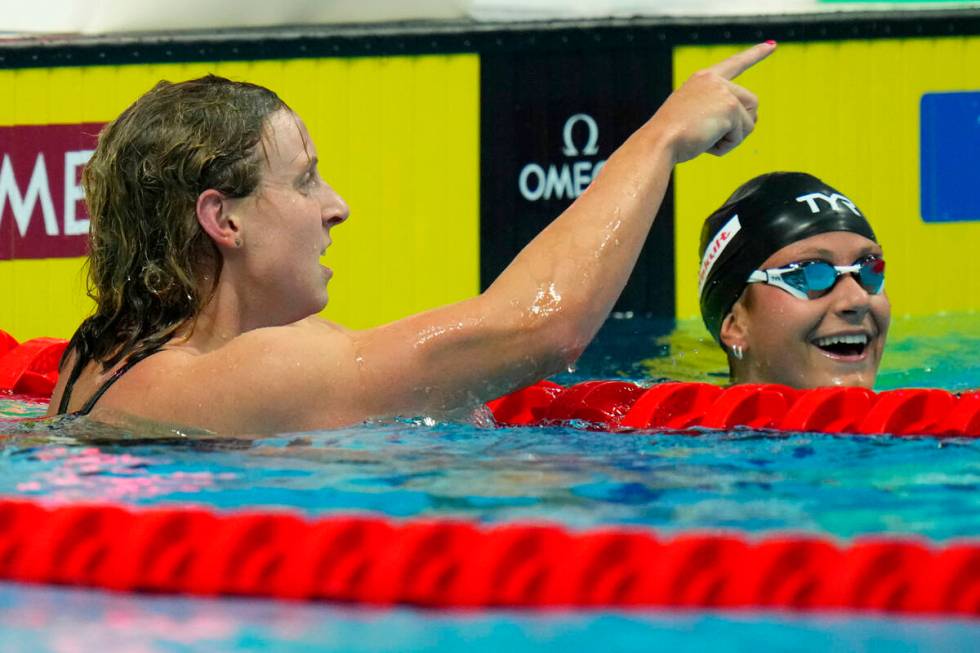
(549,119)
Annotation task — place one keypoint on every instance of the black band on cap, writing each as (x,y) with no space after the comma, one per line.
(764,215)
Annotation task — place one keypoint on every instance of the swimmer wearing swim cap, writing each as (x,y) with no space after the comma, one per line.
(792,284)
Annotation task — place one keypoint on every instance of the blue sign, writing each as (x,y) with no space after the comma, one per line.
(950,156)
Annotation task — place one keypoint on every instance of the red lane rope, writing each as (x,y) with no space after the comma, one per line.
(442,563)
(622,406)
(31,369)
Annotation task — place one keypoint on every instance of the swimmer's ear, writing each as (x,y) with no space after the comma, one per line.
(734,328)
(217,221)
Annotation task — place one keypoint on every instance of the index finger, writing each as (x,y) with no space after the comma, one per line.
(737,64)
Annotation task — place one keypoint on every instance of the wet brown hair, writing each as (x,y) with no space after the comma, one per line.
(151,267)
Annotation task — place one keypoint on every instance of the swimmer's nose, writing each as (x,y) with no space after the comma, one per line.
(335,210)
(850,299)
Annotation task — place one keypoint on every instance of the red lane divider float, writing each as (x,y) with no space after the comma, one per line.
(442,563)
(31,369)
(622,406)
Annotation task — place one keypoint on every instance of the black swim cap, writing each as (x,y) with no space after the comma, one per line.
(764,215)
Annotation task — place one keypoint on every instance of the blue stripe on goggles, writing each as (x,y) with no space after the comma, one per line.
(813,279)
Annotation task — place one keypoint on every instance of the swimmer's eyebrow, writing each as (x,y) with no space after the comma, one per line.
(310,166)
(815,253)
(828,255)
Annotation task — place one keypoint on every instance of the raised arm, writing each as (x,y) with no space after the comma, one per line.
(543,310)
(534,320)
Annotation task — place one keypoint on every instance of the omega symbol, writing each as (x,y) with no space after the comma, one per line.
(568,180)
(591,145)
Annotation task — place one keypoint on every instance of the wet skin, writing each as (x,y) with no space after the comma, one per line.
(255,359)
(791,341)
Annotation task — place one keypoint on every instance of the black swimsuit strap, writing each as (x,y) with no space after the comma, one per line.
(76,370)
(90,404)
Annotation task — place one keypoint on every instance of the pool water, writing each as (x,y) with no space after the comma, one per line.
(68,620)
(745,482)
(742,481)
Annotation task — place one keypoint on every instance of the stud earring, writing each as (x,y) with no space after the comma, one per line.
(738,352)
(238,242)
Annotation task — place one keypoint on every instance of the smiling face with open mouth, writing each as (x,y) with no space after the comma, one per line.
(835,336)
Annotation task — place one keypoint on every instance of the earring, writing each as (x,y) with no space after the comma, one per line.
(738,352)
(238,242)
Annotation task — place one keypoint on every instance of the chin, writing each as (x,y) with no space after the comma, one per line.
(804,378)
(849,379)
(303,311)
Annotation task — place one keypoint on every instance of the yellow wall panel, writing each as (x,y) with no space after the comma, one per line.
(847,112)
(398,137)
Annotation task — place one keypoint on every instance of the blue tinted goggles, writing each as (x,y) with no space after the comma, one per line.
(813,279)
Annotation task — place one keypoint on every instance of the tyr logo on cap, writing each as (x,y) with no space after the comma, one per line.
(832,200)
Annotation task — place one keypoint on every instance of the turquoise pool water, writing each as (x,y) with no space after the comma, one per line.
(62,620)
(742,482)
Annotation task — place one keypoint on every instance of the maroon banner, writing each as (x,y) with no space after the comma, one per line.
(42,211)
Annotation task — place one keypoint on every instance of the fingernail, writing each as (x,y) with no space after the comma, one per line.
(770,42)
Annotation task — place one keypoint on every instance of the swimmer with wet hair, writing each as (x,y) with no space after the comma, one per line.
(792,284)
(209,219)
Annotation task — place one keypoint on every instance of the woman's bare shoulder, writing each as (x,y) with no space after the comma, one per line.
(261,380)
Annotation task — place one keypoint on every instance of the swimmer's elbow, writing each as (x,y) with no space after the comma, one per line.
(538,342)
(558,344)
